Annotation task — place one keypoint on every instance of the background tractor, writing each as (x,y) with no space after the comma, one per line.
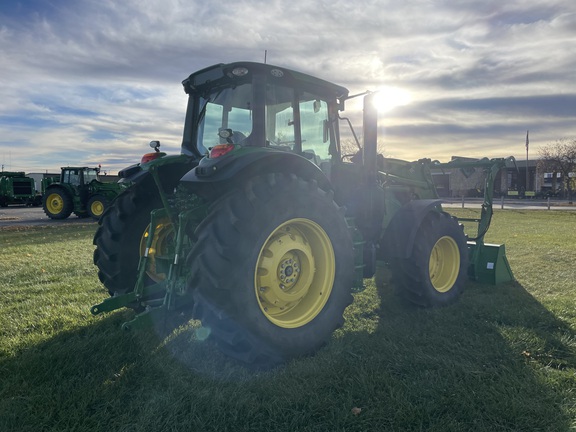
(78,190)
(262,229)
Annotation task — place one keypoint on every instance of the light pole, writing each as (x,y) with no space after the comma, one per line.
(527,177)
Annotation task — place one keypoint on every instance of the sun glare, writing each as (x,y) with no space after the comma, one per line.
(388,98)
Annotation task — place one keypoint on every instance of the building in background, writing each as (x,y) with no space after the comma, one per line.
(522,179)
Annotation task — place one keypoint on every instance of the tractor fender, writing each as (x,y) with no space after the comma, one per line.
(241,167)
(400,234)
(169,168)
(132,173)
(106,193)
(65,188)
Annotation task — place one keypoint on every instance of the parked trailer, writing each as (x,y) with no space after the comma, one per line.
(17,188)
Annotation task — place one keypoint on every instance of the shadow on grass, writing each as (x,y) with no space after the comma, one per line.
(98,377)
(493,361)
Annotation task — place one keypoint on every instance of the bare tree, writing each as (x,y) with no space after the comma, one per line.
(349,146)
(560,157)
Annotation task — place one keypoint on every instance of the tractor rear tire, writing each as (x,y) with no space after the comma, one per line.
(57,203)
(272,270)
(436,272)
(96,206)
(119,236)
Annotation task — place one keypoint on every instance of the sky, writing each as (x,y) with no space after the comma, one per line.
(92,82)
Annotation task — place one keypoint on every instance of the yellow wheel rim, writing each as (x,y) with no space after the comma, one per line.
(444,264)
(161,243)
(294,273)
(97,208)
(55,203)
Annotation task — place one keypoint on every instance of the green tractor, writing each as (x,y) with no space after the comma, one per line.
(78,190)
(262,228)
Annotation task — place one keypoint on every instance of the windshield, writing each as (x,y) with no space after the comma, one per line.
(284,106)
(229,108)
(260,112)
(89,175)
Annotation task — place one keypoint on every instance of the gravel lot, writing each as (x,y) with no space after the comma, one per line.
(21,216)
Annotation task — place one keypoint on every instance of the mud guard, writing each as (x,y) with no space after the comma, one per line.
(170,169)
(234,169)
(400,234)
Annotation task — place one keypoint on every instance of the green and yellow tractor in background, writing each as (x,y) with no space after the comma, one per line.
(262,228)
(78,190)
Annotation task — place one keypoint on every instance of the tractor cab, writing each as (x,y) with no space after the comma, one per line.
(249,105)
(78,176)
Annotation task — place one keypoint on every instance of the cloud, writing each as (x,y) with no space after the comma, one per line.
(87,81)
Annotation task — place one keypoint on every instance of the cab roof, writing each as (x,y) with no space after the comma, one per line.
(221,73)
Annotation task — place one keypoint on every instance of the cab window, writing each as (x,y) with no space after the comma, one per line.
(72,177)
(314,126)
(229,108)
(280,116)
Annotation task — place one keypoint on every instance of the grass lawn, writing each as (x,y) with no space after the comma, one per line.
(503,358)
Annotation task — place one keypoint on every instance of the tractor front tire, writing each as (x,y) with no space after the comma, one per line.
(119,237)
(96,206)
(57,203)
(436,272)
(272,270)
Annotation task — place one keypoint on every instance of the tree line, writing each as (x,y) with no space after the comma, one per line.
(559,157)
